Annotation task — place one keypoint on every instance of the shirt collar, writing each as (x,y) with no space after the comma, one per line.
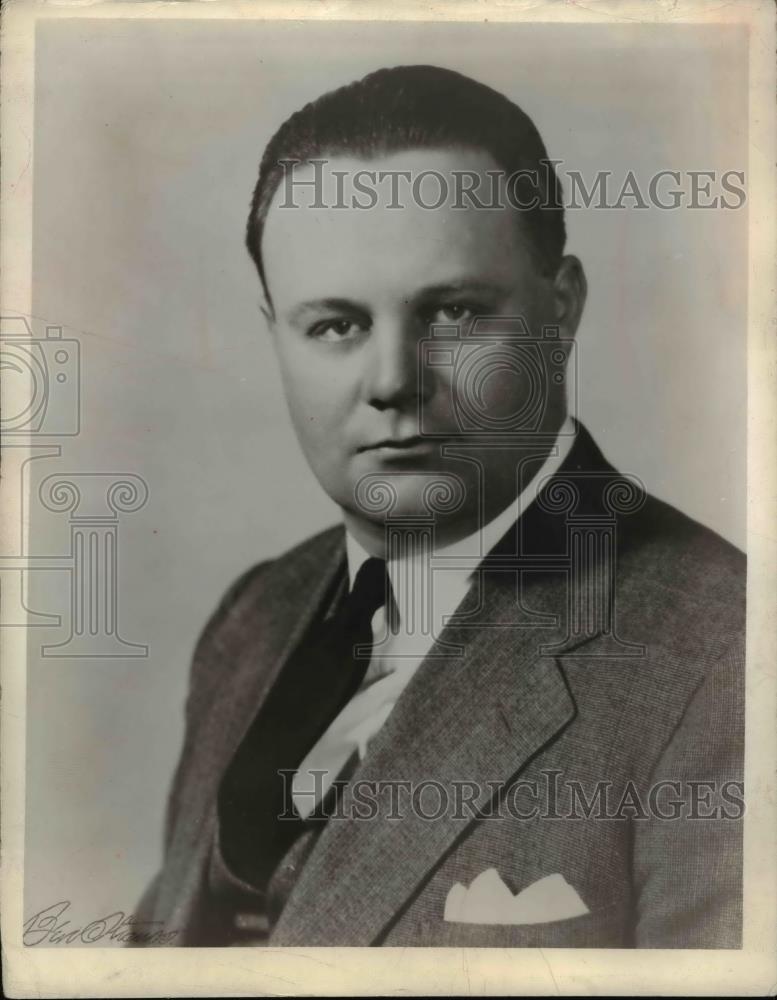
(481,542)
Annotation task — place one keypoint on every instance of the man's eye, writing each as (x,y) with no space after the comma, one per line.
(333,330)
(453,313)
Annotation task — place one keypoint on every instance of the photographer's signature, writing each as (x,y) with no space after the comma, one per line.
(49,927)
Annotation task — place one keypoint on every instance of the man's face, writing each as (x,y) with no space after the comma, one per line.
(354,293)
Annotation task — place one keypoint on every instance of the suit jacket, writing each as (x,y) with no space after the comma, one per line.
(598,721)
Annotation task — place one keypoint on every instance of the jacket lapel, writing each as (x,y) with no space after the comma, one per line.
(479,717)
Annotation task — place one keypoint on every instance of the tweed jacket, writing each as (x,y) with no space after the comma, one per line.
(602,746)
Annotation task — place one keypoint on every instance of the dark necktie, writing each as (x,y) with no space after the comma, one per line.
(321,676)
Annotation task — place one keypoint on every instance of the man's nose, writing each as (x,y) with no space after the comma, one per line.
(392,377)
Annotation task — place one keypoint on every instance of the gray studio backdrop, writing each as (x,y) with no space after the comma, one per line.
(146,146)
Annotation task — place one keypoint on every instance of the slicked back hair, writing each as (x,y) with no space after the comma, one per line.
(417,107)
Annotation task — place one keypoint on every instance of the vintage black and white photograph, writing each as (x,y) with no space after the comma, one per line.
(385,473)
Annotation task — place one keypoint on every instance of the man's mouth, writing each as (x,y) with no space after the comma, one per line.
(414,445)
(405,442)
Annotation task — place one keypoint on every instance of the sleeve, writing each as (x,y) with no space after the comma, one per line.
(688,864)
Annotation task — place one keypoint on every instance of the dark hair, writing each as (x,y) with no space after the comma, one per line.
(410,107)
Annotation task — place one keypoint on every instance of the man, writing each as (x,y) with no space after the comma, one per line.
(502,705)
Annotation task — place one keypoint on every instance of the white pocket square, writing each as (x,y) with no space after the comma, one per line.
(489,901)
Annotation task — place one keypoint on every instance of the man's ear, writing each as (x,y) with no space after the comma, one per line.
(570,289)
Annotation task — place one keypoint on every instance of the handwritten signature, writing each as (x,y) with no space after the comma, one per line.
(48,926)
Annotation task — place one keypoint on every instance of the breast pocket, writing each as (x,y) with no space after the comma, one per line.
(607,927)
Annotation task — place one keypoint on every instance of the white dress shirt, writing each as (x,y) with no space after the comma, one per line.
(397,655)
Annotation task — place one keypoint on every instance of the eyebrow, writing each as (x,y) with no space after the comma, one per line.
(423,294)
(462,285)
(330,304)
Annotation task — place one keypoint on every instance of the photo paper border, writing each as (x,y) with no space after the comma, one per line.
(439,971)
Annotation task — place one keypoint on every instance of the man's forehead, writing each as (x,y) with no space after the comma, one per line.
(402,176)
(328,231)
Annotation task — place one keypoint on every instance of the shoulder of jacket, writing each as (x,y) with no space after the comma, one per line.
(311,550)
(672,551)
(281,577)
